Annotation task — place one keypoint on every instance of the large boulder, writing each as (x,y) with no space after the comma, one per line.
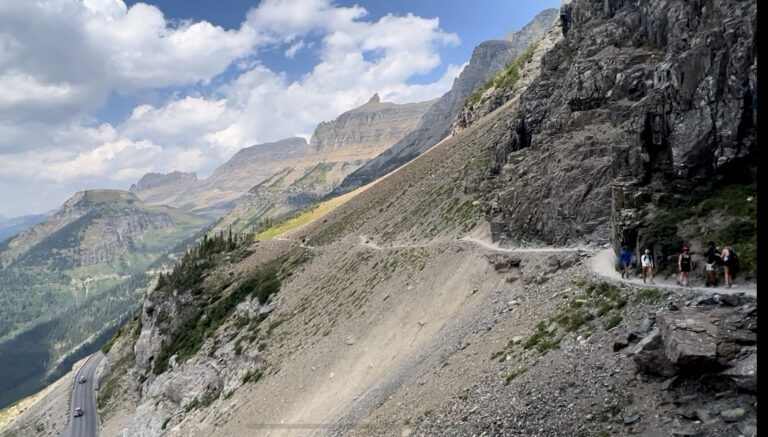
(698,340)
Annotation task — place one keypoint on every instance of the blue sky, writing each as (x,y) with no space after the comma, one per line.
(96,93)
(473,21)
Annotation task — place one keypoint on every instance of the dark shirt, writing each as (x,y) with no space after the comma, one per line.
(711,255)
(626,257)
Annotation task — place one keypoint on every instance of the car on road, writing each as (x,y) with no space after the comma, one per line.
(82,380)
(78,412)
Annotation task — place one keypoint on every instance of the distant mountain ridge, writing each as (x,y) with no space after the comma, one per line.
(215,195)
(291,173)
(487,59)
(12,226)
(337,148)
(82,254)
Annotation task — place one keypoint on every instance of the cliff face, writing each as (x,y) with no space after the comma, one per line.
(367,130)
(158,188)
(216,195)
(337,148)
(637,107)
(487,59)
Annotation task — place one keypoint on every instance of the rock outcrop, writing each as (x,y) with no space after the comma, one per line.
(337,148)
(368,130)
(487,59)
(159,188)
(216,195)
(636,99)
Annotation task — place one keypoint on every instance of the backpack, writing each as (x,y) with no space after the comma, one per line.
(735,263)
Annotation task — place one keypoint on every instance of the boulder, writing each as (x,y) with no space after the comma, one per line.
(744,373)
(689,338)
(267,310)
(649,356)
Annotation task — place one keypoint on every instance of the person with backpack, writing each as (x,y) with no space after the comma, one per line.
(730,261)
(625,258)
(684,264)
(712,255)
(647,262)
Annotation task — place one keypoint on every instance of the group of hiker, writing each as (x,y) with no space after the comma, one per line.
(685,264)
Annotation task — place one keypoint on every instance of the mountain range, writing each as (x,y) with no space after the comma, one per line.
(464,284)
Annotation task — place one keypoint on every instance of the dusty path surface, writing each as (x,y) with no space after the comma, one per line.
(603,262)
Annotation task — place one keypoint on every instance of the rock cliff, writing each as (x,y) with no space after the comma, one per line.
(367,130)
(634,109)
(487,59)
(337,148)
(158,188)
(215,195)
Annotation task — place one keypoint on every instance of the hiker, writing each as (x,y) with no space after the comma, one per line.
(624,260)
(712,255)
(684,264)
(728,265)
(647,262)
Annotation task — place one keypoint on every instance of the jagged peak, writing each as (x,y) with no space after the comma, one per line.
(375,98)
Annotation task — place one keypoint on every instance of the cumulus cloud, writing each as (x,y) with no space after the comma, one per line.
(61,59)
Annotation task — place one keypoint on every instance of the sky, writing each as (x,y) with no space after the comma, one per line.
(96,93)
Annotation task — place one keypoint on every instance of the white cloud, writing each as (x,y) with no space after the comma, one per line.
(60,59)
(294,48)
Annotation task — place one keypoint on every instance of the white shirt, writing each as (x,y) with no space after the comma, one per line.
(646,260)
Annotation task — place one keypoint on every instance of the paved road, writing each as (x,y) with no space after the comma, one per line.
(84,397)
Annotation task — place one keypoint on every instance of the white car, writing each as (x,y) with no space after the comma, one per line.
(82,380)
(78,412)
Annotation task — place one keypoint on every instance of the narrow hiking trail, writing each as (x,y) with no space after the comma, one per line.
(602,262)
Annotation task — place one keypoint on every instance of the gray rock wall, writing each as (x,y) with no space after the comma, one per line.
(638,100)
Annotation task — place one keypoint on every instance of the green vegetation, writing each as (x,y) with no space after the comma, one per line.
(647,295)
(165,422)
(216,305)
(252,376)
(597,303)
(514,374)
(203,402)
(106,392)
(612,321)
(737,204)
(504,79)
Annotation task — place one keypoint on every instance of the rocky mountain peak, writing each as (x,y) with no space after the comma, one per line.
(153,180)
(368,129)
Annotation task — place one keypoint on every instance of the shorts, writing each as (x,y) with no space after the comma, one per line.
(647,266)
(710,267)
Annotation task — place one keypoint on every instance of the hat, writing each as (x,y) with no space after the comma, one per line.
(647,251)
(685,248)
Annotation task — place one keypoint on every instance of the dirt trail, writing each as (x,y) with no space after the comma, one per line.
(603,263)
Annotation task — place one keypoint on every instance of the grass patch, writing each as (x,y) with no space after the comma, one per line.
(105,394)
(612,321)
(650,295)
(514,374)
(203,402)
(505,78)
(252,376)
(203,322)
(302,218)
(165,422)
